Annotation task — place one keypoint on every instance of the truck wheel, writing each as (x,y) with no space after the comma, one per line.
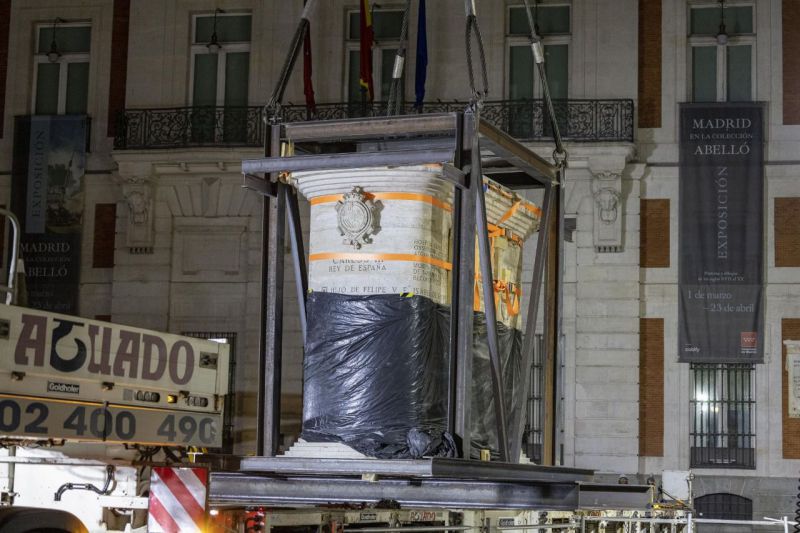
(31,520)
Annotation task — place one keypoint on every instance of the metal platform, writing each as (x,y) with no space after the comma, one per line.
(436,467)
(425,483)
(242,489)
(227,489)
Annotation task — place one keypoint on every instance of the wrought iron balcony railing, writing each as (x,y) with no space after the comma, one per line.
(181,127)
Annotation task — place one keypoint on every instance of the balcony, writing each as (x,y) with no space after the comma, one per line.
(183,127)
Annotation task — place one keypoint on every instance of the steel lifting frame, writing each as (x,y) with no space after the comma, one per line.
(468,148)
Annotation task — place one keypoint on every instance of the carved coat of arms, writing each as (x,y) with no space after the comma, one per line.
(357,218)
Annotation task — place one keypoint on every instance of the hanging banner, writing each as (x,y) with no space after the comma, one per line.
(721,313)
(47,196)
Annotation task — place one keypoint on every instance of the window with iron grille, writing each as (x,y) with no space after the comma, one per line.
(724,506)
(229,409)
(220,72)
(723,416)
(533,437)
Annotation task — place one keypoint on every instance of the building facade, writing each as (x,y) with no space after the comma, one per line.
(171,241)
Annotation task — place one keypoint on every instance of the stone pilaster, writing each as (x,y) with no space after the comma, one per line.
(607,305)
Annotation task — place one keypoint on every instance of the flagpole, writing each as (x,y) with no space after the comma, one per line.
(365,54)
(308,84)
(421,73)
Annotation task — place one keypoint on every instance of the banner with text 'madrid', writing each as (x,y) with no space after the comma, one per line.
(48,198)
(721,313)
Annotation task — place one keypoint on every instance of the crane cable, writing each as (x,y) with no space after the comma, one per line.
(472,27)
(393,107)
(559,154)
(273,107)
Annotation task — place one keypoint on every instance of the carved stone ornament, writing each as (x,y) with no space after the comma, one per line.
(607,196)
(138,197)
(607,201)
(357,217)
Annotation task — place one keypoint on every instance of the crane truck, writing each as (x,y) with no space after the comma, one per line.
(86,407)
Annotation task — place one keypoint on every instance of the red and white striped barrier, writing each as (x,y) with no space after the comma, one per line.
(177,500)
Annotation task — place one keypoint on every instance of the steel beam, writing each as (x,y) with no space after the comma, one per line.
(461,314)
(414,143)
(436,467)
(241,489)
(303,163)
(262,186)
(508,148)
(274,322)
(298,255)
(378,128)
(605,496)
(454,174)
(273,235)
(487,283)
(455,296)
(529,340)
(558,354)
(465,319)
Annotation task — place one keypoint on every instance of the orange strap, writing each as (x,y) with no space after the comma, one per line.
(510,213)
(477,302)
(511,305)
(497,231)
(502,290)
(531,208)
(355,256)
(426,198)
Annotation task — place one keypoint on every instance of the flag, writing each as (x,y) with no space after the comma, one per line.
(422,55)
(308,85)
(367,38)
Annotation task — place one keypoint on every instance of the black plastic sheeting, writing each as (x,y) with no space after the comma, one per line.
(483,420)
(375,374)
(375,377)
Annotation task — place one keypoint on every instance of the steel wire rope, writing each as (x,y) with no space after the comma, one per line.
(472,26)
(272,109)
(394,104)
(559,154)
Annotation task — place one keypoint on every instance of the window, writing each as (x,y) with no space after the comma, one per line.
(220,77)
(62,79)
(723,506)
(386,26)
(723,416)
(230,398)
(721,69)
(553,24)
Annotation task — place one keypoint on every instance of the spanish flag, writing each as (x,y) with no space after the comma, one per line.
(367,38)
